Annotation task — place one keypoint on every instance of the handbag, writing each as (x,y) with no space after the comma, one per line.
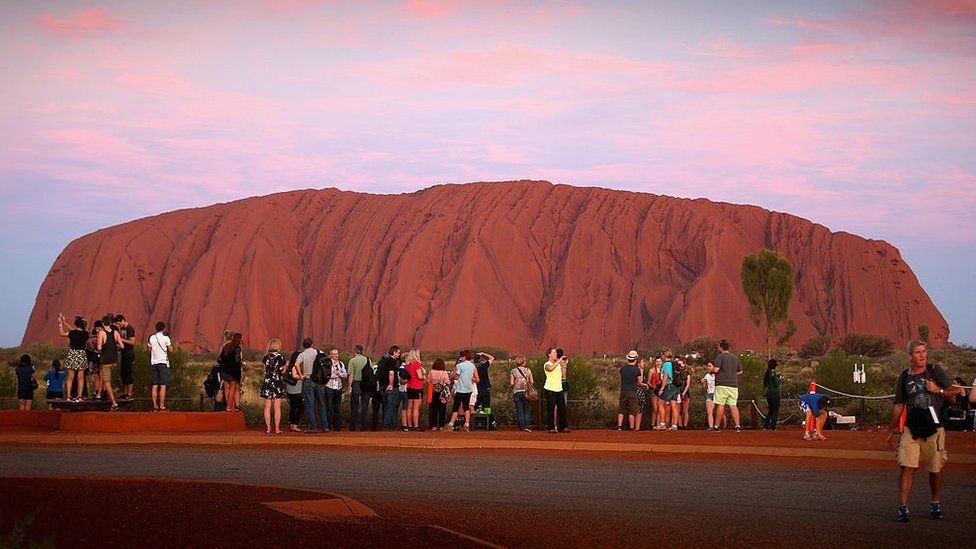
(531,393)
(34,384)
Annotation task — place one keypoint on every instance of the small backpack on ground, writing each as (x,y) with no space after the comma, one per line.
(368,382)
(321,368)
(212,384)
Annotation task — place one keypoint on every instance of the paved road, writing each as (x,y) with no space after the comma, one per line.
(559,498)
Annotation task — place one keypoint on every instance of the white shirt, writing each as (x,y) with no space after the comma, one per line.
(709,380)
(338,371)
(158,343)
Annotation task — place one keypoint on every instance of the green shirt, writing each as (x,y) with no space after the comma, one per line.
(356,365)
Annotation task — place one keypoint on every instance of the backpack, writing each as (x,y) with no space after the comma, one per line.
(368,383)
(212,384)
(321,368)
(919,420)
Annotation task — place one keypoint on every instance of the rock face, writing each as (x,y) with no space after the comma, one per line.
(519,265)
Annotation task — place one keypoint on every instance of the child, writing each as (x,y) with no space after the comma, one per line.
(55,379)
(814,405)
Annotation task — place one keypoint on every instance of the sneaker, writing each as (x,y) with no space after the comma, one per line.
(527,430)
(806,436)
(673,428)
(564,431)
(405,429)
(433,428)
(902,514)
(935,510)
(553,431)
(620,428)
(738,428)
(467,427)
(816,436)
(114,408)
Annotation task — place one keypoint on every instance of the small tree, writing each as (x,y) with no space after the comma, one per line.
(767,279)
(923,333)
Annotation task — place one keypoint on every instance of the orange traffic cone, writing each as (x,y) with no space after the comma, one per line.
(813,385)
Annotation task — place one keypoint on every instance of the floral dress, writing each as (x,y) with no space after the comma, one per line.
(274,382)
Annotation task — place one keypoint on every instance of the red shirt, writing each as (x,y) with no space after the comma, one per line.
(415,381)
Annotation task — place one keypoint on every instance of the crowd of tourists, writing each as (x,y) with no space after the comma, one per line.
(387,394)
(86,372)
(382,395)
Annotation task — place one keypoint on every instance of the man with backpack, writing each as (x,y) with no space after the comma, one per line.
(922,390)
(316,370)
(389,386)
(361,388)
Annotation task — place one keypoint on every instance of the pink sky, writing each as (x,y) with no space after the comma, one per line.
(858,115)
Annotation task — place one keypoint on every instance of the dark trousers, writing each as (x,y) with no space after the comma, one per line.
(296,406)
(358,401)
(773,415)
(483,400)
(436,413)
(555,400)
(333,401)
(376,403)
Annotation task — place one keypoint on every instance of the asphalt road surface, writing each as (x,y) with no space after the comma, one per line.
(528,498)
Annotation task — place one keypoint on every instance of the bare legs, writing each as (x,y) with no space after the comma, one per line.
(270,403)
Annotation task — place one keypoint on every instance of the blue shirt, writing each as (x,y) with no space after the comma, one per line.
(54,380)
(465,371)
(669,368)
(811,401)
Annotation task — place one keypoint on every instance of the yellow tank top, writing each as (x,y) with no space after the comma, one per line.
(554,379)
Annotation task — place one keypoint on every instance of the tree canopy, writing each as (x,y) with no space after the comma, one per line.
(767,280)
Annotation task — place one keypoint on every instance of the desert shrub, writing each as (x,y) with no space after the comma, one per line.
(814,347)
(750,382)
(867,345)
(705,347)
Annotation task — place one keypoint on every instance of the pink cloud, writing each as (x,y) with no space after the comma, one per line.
(90,23)
(804,23)
(499,66)
(51,108)
(433,8)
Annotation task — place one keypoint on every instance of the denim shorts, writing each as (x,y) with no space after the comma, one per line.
(160,374)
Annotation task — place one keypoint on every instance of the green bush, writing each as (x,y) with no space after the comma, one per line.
(866,345)
(814,347)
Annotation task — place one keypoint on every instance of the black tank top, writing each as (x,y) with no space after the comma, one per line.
(110,351)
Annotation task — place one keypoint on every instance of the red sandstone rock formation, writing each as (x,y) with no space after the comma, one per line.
(519,265)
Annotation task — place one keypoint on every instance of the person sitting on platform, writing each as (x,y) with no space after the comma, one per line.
(55,382)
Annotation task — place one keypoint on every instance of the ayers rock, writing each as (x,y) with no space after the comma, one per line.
(518,265)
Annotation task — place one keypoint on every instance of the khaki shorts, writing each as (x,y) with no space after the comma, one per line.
(726,396)
(931,450)
(628,403)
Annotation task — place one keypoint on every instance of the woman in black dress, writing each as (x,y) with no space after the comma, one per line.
(231,363)
(273,388)
(77,361)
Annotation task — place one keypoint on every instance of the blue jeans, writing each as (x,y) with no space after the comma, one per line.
(357,401)
(522,410)
(392,402)
(314,396)
(333,402)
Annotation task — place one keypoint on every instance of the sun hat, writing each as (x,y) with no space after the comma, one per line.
(632,356)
